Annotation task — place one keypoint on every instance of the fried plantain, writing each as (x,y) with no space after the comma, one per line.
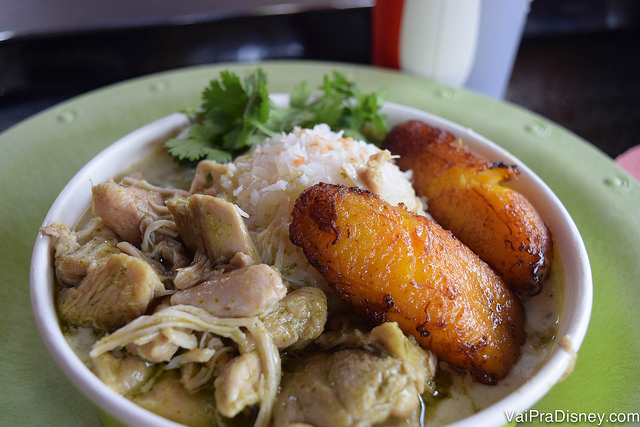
(390,264)
(465,194)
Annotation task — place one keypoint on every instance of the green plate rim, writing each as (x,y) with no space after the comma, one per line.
(41,153)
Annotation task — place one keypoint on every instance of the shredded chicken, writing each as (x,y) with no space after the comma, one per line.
(146,328)
(160,349)
(201,365)
(173,253)
(200,270)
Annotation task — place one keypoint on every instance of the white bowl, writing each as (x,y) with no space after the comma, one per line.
(75,198)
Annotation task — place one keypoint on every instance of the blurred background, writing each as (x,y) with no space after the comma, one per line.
(577,64)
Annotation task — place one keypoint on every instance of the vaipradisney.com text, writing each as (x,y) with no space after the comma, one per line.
(564,416)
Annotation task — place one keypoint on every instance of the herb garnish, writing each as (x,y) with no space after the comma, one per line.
(237,114)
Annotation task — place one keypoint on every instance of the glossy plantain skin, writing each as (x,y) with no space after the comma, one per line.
(465,194)
(393,265)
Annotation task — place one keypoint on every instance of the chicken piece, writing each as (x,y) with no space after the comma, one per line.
(124,375)
(65,241)
(199,271)
(126,210)
(73,267)
(111,295)
(207,173)
(465,195)
(238,386)
(374,176)
(65,244)
(250,291)
(348,387)
(200,365)
(160,349)
(173,253)
(297,319)
(73,260)
(418,363)
(169,399)
(213,226)
(348,331)
(393,265)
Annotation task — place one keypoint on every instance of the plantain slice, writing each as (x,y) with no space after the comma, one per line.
(390,264)
(465,194)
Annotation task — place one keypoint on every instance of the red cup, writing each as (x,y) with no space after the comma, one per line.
(386,19)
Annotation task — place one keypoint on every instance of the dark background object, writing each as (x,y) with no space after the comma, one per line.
(578,63)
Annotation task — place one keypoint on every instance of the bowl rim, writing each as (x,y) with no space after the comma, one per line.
(575,312)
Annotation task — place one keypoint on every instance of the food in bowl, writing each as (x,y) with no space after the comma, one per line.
(199,343)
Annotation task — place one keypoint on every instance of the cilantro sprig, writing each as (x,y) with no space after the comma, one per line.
(236,114)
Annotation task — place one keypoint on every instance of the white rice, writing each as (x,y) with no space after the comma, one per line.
(265,183)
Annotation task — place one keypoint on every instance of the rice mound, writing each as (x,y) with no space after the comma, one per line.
(266,181)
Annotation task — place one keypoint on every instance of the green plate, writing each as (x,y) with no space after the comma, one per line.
(41,154)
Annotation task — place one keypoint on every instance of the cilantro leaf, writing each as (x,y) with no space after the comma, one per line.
(191,150)
(214,97)
(236,114)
